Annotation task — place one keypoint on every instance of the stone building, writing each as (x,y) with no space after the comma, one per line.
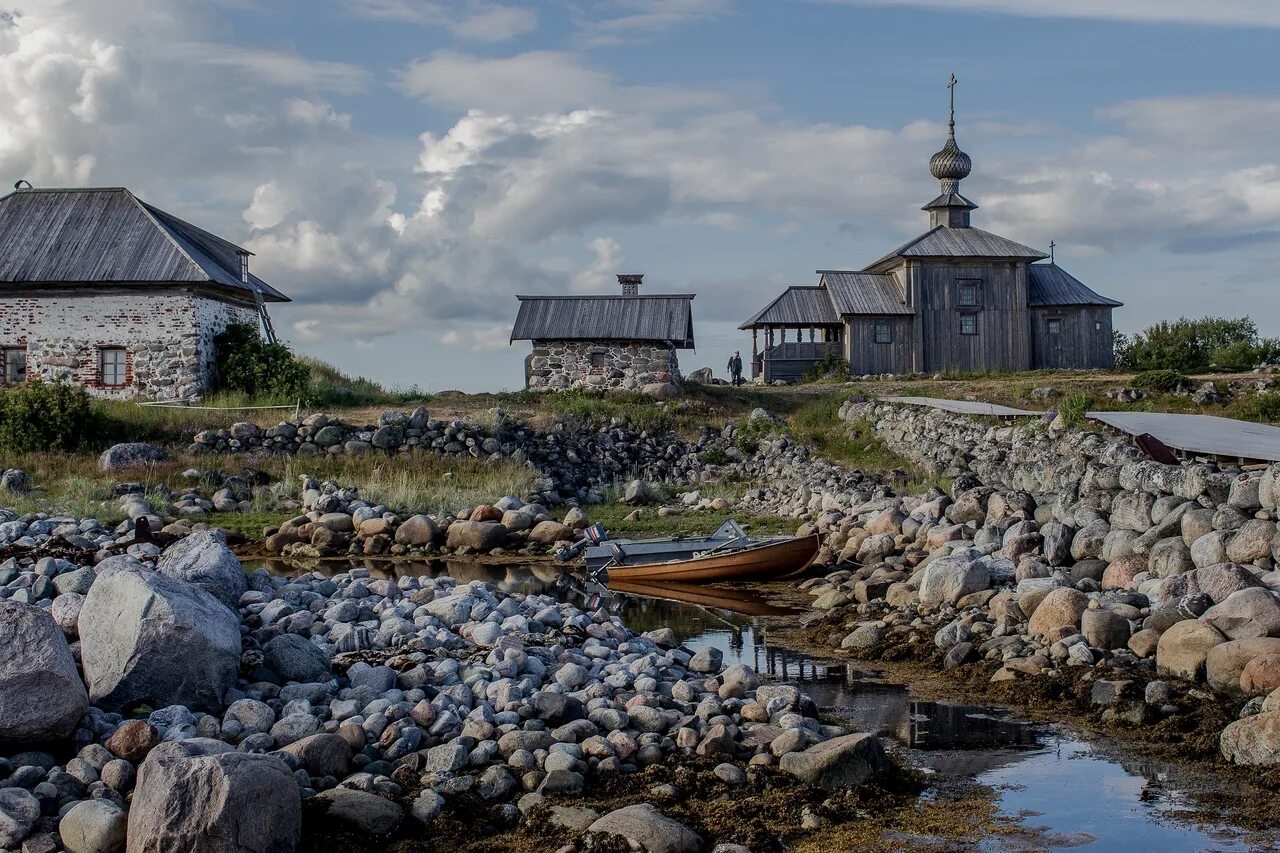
(100,288)
(954,298)
(622,342)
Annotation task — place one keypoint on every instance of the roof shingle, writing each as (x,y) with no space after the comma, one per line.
(808,305)
(1050,284)
(864,292)
(656,317)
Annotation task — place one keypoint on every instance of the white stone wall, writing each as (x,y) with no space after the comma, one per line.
(610,366)
(166,334)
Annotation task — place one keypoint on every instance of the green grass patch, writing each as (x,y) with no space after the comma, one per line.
(689,523)
(249,524)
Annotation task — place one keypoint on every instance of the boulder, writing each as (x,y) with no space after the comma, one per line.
(481,536)
(837,763)
(295,658)
(361,810)
(1120,573)
(418,531)
(550,532)
(645,828)
(132,454)
(204,559)
(1061,608)
(322,754)
(41,695)
(203,795)
(19,810)
(1245,613)
(1103,629)
(93,826)
(949,579)
(1253,741)
(1183,647)
(146,637)
(1261,676)
(1216,581)
(636,493)
(1252,541)
(1225,662)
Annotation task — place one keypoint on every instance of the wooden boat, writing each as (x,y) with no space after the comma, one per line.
(726,555)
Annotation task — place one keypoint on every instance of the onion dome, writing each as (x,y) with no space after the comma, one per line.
(950,164)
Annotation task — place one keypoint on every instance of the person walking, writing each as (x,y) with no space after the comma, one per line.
(735,368)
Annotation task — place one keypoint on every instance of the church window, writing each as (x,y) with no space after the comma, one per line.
(883,332)
(1055,326)
(970,293)
(1097,325)
(13,365)
(968,324)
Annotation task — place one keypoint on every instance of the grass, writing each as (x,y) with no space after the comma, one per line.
(689,523)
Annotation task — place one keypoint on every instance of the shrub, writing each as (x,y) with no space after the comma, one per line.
(1263,407)
(1190,345)
(1166,381)
(40,416)
(830,366)
(248,364)
(1073,409)
(750,430)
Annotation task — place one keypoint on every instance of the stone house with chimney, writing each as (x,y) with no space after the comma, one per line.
(101,289)
(626,341)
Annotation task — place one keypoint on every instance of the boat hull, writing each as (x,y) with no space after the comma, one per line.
(766,561)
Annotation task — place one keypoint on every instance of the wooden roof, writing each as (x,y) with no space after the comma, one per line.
(864,292)
(944,242)
(800,306)
(1050,284)
(667,318)
(109,236)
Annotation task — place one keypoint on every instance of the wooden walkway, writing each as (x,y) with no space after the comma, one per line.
(1200,434)
(963,407)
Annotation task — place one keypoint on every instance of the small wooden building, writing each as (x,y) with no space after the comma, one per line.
(100,288)
(954,298)
(626,341)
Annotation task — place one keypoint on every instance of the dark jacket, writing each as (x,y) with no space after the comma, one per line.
(735,364)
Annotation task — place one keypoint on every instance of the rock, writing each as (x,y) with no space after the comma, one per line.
(837,763)
(132,740)
(550,532)
(204,559)
(479,536)
(1252,541)
(702,376)
(1061,608)
(1225,662)
(146,637)
(1120,573)
(362,810)
(418,531)
(203,795)
(636,493)
(708,660)
(1217,581)
(295,658)
(1183,647)
(93,826)
(1252,612)
(426,808)
(18,812)
(951,578)
(1253,741)
(646,828)
(1261,676)
(41,695)
(135,454)
(1103,629)
(1144,643)
(322,754)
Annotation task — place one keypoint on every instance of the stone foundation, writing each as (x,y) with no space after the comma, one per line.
(613,366)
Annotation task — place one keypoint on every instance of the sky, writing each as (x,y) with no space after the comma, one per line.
(403,168)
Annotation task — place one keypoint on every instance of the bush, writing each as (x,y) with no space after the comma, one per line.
(747,435)
(40,416)
(1264,408)
(1166,381)
(830,366)
(1191,345)
(1073,409)
(248,364)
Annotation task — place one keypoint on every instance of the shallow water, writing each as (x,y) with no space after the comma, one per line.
(1069,794)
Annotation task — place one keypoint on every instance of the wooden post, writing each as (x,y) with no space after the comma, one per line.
(755,354)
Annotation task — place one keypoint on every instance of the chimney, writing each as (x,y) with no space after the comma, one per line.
(630,283)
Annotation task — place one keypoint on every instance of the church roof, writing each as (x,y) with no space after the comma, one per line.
(969,242)
(656,317)
(1050,284)
(109,236)
(808,305)
(863,292)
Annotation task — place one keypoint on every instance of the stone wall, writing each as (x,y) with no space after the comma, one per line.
(610,366)
(167,336)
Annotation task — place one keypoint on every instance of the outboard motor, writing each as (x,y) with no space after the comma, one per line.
(593,535)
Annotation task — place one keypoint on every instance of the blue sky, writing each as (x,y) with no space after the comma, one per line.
(403,168)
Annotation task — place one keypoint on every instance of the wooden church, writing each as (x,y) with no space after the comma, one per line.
(954,298)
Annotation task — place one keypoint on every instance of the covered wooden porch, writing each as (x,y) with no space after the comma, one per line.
(793,333)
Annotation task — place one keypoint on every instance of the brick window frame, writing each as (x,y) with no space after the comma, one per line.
(113,367)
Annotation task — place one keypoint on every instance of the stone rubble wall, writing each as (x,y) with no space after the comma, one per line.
(609,366)
(167,337)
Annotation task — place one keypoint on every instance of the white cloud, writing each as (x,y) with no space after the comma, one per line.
(614,21)
(1239,13)
(599,273)
(535,81)
(486,338)
(276,67)
(476,20)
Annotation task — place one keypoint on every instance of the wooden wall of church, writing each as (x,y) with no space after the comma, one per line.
(1084,338)
(1002,338)
(867,356)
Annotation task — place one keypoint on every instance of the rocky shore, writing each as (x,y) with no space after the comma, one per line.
(133,686)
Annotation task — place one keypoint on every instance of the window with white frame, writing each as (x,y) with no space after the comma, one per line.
(968,324)
(1055,326)
(111,366)
(883,332)
(13,365)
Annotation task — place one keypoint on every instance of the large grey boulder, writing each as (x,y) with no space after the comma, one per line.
(1245,613)
(93,826)
(18,812)
(202,795)
(480,536)
(146,637)
(649,830)
(131,454)
(1254,740)
(204,559)
(950,579)
(1218,581)
(41,695)
(837,763)
(295,658)
(361,810)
